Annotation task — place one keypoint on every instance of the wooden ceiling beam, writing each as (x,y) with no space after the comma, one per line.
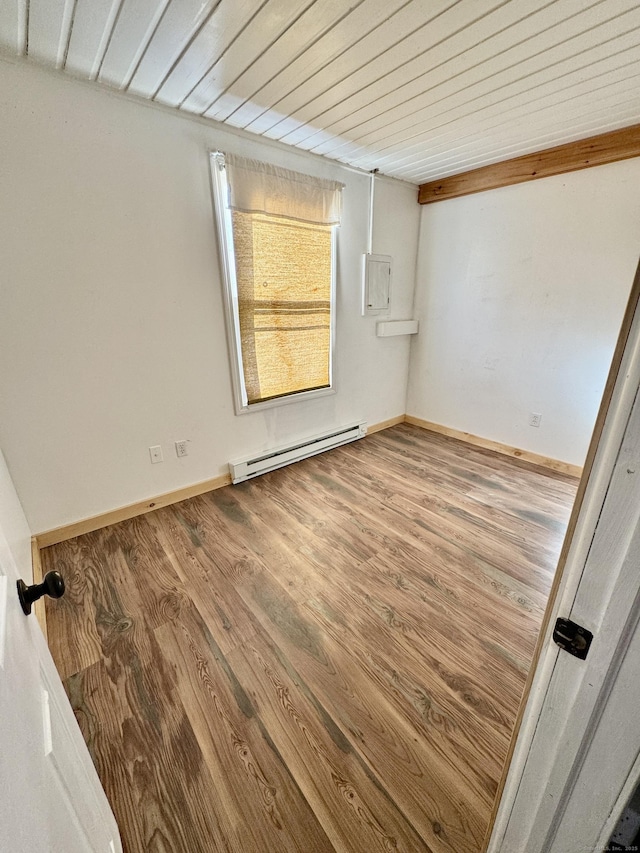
(594,151)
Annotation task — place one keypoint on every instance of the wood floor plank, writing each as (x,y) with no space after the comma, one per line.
(151,767)
(357,811)
(157,583)
(430,704)
(406,544)
(222,609)
(345,587)
(487,524)
(75,644)
(453,466)
(251,777)
(472,462)
(423,787)
(328,657)
(137,730)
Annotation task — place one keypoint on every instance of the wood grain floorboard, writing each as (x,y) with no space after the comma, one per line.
(328,657)
(251,778)
(386,595)
(357,812)
(423,786)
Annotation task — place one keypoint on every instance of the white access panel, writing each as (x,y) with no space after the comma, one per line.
(376,288)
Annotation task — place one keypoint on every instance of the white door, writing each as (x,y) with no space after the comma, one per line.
(51,800)
(576,757)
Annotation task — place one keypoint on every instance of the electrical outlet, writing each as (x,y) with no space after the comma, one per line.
(181,448)
(535,418)
(155,453)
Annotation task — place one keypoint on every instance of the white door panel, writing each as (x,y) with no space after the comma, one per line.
(51,799)
(69,763)
(22,769)
(603,605)
(612,753)
(580,735)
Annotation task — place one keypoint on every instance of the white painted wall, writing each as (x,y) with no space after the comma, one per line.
(112,336)
(520,293)
(13,525)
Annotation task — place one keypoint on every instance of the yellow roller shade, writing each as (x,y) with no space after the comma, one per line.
(283,272)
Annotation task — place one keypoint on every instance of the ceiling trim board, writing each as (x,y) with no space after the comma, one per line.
(594,151)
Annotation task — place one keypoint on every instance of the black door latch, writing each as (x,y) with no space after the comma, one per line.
(572,638)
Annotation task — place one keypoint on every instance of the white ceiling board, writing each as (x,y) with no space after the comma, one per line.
(409,134)
(618,120)
(303,33)
(439,78)
(587,121)
(401,34)
(472,155)
(257,114)
(610,73)
(556,106)
(132,33)
(177,28)
(430,65)
(261,32)
(554,65)
(93,23)
(13,26)
(49,27)
(419,89)
(207,46)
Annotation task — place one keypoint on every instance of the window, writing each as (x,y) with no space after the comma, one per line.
(277,243)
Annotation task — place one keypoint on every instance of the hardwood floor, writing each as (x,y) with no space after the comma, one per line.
(328,657)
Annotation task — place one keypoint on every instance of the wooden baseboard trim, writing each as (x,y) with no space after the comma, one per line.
(96,522)
(399,419)
(525,455)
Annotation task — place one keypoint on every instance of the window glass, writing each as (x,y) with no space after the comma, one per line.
(276,231)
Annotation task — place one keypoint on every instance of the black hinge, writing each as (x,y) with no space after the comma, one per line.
(572,638)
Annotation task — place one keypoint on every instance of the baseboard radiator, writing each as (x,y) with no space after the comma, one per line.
(272,459)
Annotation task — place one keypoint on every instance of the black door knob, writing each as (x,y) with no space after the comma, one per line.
(53,585)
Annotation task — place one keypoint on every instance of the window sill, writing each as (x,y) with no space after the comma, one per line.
(283,401)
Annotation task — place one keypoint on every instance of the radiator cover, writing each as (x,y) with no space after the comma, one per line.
(269,460)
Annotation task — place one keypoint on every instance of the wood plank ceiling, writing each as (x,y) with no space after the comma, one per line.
(419,89)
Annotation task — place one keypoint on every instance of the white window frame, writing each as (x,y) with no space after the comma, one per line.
(230,290)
